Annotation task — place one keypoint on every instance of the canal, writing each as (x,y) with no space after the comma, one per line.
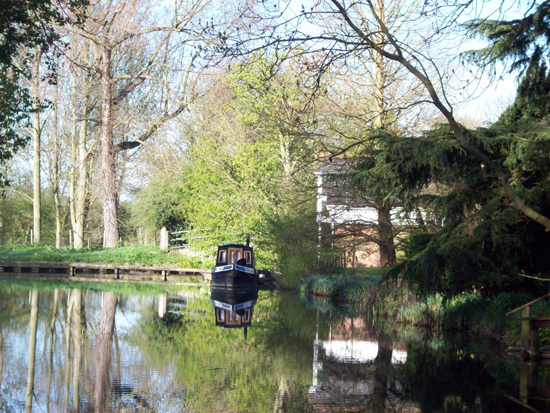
(196,350)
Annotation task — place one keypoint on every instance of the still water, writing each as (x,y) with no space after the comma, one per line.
(197,350)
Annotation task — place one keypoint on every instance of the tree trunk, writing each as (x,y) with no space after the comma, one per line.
(385,234)
(56,172)
(36,151)
(32,350)
(72,177)
(380,122)
(80,195)
(106,153)
(103,351)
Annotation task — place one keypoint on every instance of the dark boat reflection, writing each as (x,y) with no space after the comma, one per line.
(234,308)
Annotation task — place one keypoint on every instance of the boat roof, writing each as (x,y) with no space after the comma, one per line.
(229,244)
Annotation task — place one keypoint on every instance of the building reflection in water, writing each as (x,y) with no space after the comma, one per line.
(353,371)
(234,308)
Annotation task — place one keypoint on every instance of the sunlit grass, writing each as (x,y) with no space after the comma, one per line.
(133,254)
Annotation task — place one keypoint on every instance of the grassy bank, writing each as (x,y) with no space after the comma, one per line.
(469,311)
(145,255)
(341,287)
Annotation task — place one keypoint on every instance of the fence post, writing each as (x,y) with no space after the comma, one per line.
(164,239)
(525,327)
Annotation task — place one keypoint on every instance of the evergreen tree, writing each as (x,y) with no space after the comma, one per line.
(520,42)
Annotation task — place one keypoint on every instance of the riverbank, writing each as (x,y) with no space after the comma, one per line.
(145,255)
(470,312)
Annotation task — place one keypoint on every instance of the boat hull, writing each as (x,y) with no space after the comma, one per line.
(234,279)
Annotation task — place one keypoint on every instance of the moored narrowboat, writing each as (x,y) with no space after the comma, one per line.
(234,267)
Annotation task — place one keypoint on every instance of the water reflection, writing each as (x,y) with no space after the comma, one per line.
(70,350)
(234,308)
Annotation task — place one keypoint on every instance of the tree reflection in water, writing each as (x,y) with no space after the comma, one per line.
(107,352)
(102,356)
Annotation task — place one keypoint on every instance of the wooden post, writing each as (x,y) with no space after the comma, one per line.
(525,327)
(117,273)
(533,375)
(534,344)
(164,272)
(524,382)
(72,271)
(164,239)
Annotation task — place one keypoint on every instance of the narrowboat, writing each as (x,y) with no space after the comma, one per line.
(234,267)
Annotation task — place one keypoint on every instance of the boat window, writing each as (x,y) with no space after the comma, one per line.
(223,257)
(248,257)
(246,316)
(235,254)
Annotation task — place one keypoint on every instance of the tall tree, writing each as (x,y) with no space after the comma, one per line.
(163,44)
(36,132)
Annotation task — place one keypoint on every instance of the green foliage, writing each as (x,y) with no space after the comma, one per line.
(532,99)
(250,169)
(159,203)
(467,234)
(290,237)
(16,217)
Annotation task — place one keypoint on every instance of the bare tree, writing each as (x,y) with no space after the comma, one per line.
(133,51)
(345,29)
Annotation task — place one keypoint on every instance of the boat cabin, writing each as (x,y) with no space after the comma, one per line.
(232,253)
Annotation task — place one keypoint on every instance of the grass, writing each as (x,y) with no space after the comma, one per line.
(145,255)
(119,288)
(342,287)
